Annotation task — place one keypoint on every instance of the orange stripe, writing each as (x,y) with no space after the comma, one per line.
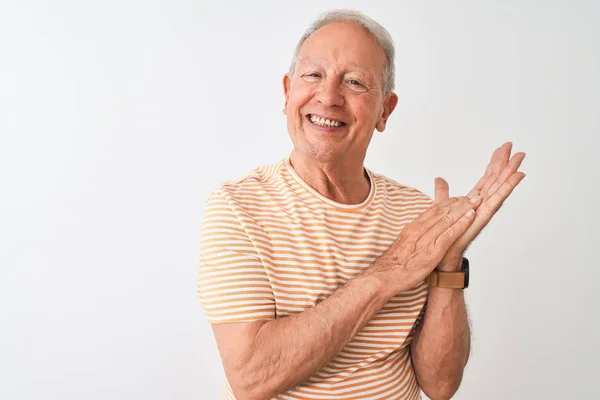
(270,247)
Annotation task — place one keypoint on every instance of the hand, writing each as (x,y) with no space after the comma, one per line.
(422,243)
(494,187)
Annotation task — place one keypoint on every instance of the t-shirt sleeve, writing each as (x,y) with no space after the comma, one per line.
(232,282)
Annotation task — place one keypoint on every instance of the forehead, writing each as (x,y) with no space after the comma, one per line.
(344,44)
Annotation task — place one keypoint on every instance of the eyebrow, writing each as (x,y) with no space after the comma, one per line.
(370,71)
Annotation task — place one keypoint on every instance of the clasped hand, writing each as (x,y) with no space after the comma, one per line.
(440,235)
(500,179)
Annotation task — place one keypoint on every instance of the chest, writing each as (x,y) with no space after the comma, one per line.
(309,254)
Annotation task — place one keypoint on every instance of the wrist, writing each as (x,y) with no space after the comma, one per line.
(450,264)
(388,274)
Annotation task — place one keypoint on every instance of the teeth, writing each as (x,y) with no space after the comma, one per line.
(324,121)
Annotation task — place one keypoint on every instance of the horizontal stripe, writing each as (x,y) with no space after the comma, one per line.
(271,246)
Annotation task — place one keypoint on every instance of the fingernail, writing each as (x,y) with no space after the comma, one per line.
(473,198)
(470,212)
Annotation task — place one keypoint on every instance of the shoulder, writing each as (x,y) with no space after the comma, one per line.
(391,188)
(251,186)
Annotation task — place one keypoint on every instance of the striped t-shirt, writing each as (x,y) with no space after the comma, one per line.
(272,246)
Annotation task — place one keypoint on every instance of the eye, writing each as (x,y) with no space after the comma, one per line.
(311,76)
(356,85)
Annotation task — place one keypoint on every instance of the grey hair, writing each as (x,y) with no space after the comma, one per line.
(379,33)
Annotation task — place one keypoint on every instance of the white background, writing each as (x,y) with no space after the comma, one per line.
(117,118)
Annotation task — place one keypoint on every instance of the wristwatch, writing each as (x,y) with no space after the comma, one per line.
(451,280)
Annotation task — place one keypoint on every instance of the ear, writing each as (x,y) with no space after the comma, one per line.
(389,104)
(287,84)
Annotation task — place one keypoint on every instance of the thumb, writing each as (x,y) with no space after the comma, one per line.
(442,189)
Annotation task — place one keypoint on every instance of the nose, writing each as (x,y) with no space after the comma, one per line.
(329,93)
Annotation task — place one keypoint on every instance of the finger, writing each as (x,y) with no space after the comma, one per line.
(447,216)
(451,234)
(495,155)
(497,168)
(442,189)
(512,167)
(430,216)
(435,213)
(493,204)
(480,183)
(473,193)
(503,158)
(488,209)
(488,172)
(489,169)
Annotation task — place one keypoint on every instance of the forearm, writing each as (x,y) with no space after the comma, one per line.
(287,351)
(441,345)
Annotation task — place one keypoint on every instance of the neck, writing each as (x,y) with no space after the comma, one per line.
(343,181)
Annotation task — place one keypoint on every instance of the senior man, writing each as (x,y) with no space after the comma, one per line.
(323,279)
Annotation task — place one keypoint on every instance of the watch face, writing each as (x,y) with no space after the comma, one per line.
(465,269)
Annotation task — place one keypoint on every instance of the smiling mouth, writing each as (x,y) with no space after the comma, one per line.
(324,122)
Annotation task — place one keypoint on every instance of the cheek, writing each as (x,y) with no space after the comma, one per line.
(363,111)
(299,96)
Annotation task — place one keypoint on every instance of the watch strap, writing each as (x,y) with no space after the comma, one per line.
(444,279)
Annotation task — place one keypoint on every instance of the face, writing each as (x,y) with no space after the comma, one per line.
(334,100)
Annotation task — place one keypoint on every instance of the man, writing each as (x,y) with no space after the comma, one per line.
(312,270)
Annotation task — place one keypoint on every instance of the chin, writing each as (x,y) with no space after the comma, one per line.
(324,153)
(316,146)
